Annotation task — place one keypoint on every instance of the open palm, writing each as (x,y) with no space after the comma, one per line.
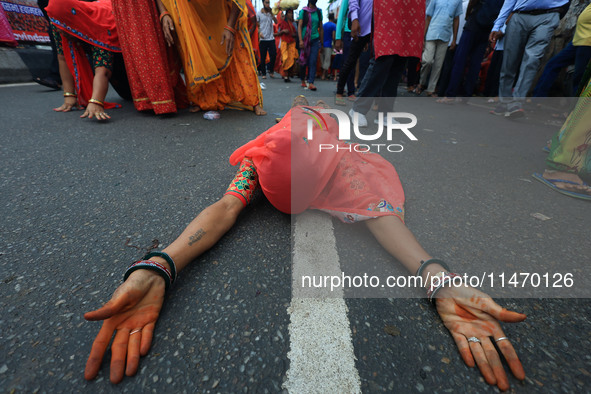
(132,312)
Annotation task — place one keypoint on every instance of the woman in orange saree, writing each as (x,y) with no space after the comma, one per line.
(218,58)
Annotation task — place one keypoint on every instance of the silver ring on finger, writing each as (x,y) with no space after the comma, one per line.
(474,339)
(135,331)
(501,339)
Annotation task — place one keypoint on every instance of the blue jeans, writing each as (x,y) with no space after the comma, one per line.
(312,60)
(472,46)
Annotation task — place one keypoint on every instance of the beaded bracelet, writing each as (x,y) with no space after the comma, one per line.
(152,266)
(163,15)
(97,102)
(69,94)
(230,29)
(168,259)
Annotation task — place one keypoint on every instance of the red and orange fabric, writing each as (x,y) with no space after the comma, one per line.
(89,22)
(214,79)
(295,175)
(153,69)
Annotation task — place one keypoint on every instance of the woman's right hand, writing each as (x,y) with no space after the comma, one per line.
(132,312)
(167,29)
(69,104)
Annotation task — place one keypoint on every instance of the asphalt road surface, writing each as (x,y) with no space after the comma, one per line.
(81,200)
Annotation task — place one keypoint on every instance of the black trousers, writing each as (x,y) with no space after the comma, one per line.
(351,60)
(267,46)
(380,82)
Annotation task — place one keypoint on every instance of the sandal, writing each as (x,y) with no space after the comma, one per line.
(552,184)
(340,100)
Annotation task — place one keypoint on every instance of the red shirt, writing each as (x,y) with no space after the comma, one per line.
(399,27)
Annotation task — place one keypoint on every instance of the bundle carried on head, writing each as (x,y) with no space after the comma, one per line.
(285,5)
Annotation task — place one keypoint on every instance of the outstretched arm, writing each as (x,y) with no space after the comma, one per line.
(70,100)
(471,316)
(135,306)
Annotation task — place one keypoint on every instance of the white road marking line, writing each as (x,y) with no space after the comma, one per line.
(321,354)
(11,85)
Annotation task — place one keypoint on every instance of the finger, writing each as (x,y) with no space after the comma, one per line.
(464,349)
(147,334)
(99,346)
(495,363)
(502,314)
(119,353)
(113,306)
(482,363)
(106,115)
(511,357)
(84,115)
(58,109)
(133,353)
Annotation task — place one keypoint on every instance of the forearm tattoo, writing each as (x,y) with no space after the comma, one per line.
(196,237)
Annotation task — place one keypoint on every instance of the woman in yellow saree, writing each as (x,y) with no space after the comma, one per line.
(218,60)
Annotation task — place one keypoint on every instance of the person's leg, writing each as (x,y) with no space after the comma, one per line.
(476,55)
(364,58)
(272,57)
(370,87)
(312,60)
(348,68)
(263,47)
(412,72)
(396,66)
(427,61)
(564,58)
(459,64)
(541,28)
(514,44)
(494,71)
(445,76)
(582,58)
(440,50)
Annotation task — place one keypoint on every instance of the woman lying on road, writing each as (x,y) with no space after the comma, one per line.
(326,184)
(81,30)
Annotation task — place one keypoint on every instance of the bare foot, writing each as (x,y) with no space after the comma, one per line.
(578,186)
(259,111)
(299,101)
(195,109)
(322,104)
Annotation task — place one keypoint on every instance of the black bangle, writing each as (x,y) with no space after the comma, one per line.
(150,266)
(166,257)
(429,262)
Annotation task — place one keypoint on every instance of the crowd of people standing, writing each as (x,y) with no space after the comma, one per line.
(168,55)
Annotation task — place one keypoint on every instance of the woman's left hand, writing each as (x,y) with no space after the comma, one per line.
(228,38)
(95,110)
(471,314)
